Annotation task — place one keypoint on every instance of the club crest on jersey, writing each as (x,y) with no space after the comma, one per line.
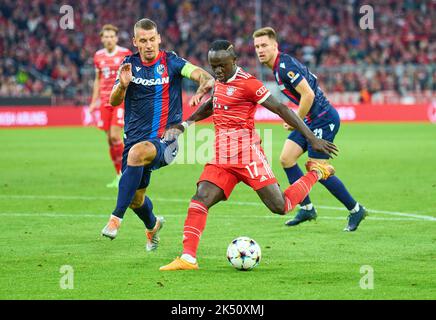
(160,69)
(230,91)
(117,60)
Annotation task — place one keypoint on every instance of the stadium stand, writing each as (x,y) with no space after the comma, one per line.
(397,57)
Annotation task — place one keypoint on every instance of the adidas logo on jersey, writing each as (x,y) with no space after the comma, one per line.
(263,178)
(151,82)
(138,68)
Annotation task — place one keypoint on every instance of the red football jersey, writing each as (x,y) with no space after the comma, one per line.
(108,65)
(234,106)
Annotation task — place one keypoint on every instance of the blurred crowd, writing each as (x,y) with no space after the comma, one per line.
(399,54)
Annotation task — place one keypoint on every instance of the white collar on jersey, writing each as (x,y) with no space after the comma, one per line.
(112,53)
(234,76)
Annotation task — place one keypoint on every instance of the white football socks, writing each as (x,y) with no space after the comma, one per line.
(189,258)
(307,207)
(356,208)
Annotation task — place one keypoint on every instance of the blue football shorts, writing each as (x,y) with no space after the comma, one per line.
(166,153)
(325,127)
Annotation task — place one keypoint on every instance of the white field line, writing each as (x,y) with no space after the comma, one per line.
(186,201)
(105,216)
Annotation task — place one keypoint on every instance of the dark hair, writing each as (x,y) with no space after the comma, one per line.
(225,45)
(145,24)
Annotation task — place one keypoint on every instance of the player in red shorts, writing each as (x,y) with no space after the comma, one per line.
(107,62)
(238,152)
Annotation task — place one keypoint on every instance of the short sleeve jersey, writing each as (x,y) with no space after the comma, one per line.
(153,100)
(289,72)
(234,106)
(108,64)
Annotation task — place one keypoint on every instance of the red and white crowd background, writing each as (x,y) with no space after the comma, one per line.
(51,116)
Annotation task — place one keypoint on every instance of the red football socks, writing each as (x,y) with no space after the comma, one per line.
(116,152)
(296,192)
(194,226)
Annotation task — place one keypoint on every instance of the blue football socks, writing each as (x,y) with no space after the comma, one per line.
(337,188)
(129,182)
(145,213)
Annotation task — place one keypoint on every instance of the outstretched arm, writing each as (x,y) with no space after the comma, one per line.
(203,112)
(295,121)
(203,78)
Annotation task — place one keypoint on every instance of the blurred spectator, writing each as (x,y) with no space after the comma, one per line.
(365,96)
(40,58)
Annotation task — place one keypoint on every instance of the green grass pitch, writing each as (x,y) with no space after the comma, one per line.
(54,203)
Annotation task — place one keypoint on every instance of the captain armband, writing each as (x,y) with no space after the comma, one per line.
(187,70)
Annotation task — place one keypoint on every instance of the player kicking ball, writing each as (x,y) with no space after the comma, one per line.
(238,152)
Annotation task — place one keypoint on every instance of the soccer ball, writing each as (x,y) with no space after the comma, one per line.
(243,253)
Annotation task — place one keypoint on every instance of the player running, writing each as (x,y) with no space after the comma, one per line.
(107,62)
(150,83)
(233,104)
(300,86)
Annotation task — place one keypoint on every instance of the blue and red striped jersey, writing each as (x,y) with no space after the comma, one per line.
(153,99)
(289,72)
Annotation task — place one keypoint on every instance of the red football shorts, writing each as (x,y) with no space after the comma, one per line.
(257,174)
(111,116)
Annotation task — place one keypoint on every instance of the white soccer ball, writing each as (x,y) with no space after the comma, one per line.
(244,253)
